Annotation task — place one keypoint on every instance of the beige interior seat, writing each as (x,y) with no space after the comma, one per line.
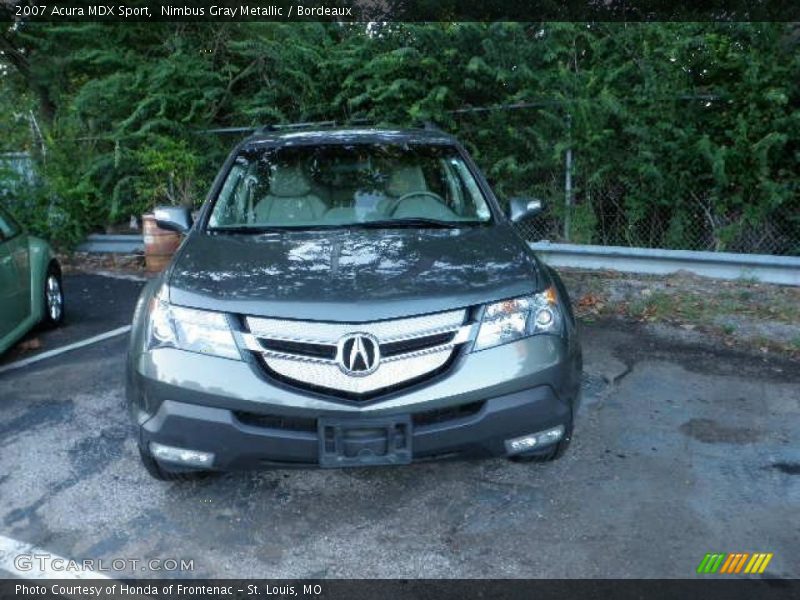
(289,199)
(406,179)
(403,180)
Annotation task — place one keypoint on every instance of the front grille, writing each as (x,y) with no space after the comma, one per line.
(413,345)
(300,348)
(276,421)
(314,355)
(358,396)
(309,424)
(443,415)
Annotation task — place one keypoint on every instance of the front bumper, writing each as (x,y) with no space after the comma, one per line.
(237,444)
(230,408)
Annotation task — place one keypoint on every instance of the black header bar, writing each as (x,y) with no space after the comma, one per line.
(717,588)
(400,10)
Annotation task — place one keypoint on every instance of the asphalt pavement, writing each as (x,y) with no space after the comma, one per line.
(679,450)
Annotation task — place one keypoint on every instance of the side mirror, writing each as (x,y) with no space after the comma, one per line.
(173,218)
(520,209)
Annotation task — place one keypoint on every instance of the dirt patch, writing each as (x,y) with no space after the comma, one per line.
(739,313)
(695,351)
(709,431)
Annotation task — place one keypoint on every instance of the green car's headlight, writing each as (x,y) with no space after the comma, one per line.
(517,318)
(201,331)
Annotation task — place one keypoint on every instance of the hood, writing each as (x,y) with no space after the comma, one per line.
(352,275)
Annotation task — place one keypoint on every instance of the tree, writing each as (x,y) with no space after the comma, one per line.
(684,134)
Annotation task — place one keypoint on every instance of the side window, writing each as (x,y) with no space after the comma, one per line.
(9,228)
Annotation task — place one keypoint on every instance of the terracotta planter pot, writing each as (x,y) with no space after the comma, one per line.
(159,244)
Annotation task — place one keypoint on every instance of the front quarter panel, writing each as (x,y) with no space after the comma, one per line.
(140,317)
(571,333)
(136,345)
(41,254)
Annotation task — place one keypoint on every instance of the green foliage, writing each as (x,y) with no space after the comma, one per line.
(684,135)
(169,172)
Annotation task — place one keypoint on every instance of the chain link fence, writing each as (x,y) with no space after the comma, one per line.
(601,218)
(672,193)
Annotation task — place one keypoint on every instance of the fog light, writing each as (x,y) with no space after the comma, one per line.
(184,456)
(544,318)
(534,440)
(521,444)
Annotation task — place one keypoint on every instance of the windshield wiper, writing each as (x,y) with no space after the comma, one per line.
(413,223)
(254,229)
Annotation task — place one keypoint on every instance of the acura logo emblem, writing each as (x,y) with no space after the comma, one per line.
(358,354)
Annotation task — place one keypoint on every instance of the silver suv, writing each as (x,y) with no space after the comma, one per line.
(350,297)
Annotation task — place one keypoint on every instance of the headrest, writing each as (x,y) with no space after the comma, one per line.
(405,179)
(289,181)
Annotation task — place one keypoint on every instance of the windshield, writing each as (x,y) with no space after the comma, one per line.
(344,185)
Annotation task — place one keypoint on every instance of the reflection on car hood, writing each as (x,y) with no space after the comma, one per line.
(352,275)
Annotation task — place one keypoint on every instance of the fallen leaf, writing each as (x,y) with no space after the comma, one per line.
(32,344)
(588,300)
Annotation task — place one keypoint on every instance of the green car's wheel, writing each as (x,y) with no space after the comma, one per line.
(53,297)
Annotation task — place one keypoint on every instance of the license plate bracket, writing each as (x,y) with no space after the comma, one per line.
(364,442)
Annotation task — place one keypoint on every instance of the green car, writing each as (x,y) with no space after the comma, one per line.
(30,283)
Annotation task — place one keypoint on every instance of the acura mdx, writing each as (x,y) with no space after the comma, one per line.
(350,297)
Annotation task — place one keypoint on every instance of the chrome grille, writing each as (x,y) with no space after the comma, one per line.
(330,333)
(306,353)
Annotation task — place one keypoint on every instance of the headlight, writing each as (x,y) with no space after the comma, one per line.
(189,329)
(517,318)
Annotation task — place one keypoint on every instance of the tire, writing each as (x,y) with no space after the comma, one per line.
(156,471)
(53,297)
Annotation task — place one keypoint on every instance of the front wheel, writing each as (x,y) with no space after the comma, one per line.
(53,297)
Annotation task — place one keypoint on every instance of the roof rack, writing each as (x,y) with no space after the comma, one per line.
(307,124)
(427,125)
(301,125)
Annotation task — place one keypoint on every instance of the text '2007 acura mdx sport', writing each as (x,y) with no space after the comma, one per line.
(350,297)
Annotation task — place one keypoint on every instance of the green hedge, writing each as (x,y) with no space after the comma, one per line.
(684,134)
